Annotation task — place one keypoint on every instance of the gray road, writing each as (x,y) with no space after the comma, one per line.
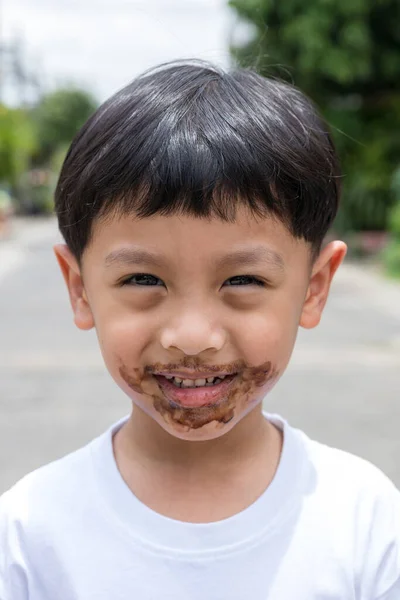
(342,387)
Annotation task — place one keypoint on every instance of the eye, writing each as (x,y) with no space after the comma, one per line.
(142,280)
(243,280)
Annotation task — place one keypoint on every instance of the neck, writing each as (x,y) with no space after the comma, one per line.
(142,438)
(198,481)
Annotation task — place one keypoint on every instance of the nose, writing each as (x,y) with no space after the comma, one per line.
(192,333)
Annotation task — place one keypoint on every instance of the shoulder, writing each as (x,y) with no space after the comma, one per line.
(342,475)
(349,482)
(363,507)
(348,474)
(47,489)
(62,492)
(37,508)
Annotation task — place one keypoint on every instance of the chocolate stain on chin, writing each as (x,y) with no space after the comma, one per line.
(242,389)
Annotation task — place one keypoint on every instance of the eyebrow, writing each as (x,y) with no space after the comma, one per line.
(250,257)
(246,257)
(133,256)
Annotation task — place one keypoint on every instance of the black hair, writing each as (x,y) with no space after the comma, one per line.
(188,137)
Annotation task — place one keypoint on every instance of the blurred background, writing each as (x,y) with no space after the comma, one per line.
(59,59)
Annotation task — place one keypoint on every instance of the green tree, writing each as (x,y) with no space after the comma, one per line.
(345,55)
(391,254)
(17,143)
(58,117)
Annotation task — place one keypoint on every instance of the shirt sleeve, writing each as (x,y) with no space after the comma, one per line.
(382,550)
(13,583)
(4,595)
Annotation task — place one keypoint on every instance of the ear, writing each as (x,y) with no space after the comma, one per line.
(325,267)
(71,272)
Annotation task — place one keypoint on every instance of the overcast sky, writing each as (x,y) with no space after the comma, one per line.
(103,44)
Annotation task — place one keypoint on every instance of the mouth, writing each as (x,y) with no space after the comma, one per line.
(195,393)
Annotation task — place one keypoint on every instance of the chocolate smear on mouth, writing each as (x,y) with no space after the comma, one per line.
(195,417)
(248,379)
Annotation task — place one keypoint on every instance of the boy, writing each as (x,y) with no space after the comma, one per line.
(194,204)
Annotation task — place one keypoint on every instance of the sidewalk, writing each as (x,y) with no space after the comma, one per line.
(382,291)
(24,232)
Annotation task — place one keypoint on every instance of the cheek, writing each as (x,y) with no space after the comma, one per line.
(267,335)
(125,336)
(123,341)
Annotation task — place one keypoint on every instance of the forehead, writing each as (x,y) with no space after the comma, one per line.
(192,239)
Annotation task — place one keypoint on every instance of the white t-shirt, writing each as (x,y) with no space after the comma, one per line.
(327,528)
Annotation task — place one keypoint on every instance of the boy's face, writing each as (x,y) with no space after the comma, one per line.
(195,310)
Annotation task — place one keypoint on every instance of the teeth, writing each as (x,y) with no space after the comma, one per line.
(187,383)
(191,383)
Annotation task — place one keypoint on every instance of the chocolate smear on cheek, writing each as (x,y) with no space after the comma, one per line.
(132,380)
(242,390)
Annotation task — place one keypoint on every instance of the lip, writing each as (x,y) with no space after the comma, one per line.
(196,397)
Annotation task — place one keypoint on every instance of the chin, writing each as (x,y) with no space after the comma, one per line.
(205,433)
(201,427)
